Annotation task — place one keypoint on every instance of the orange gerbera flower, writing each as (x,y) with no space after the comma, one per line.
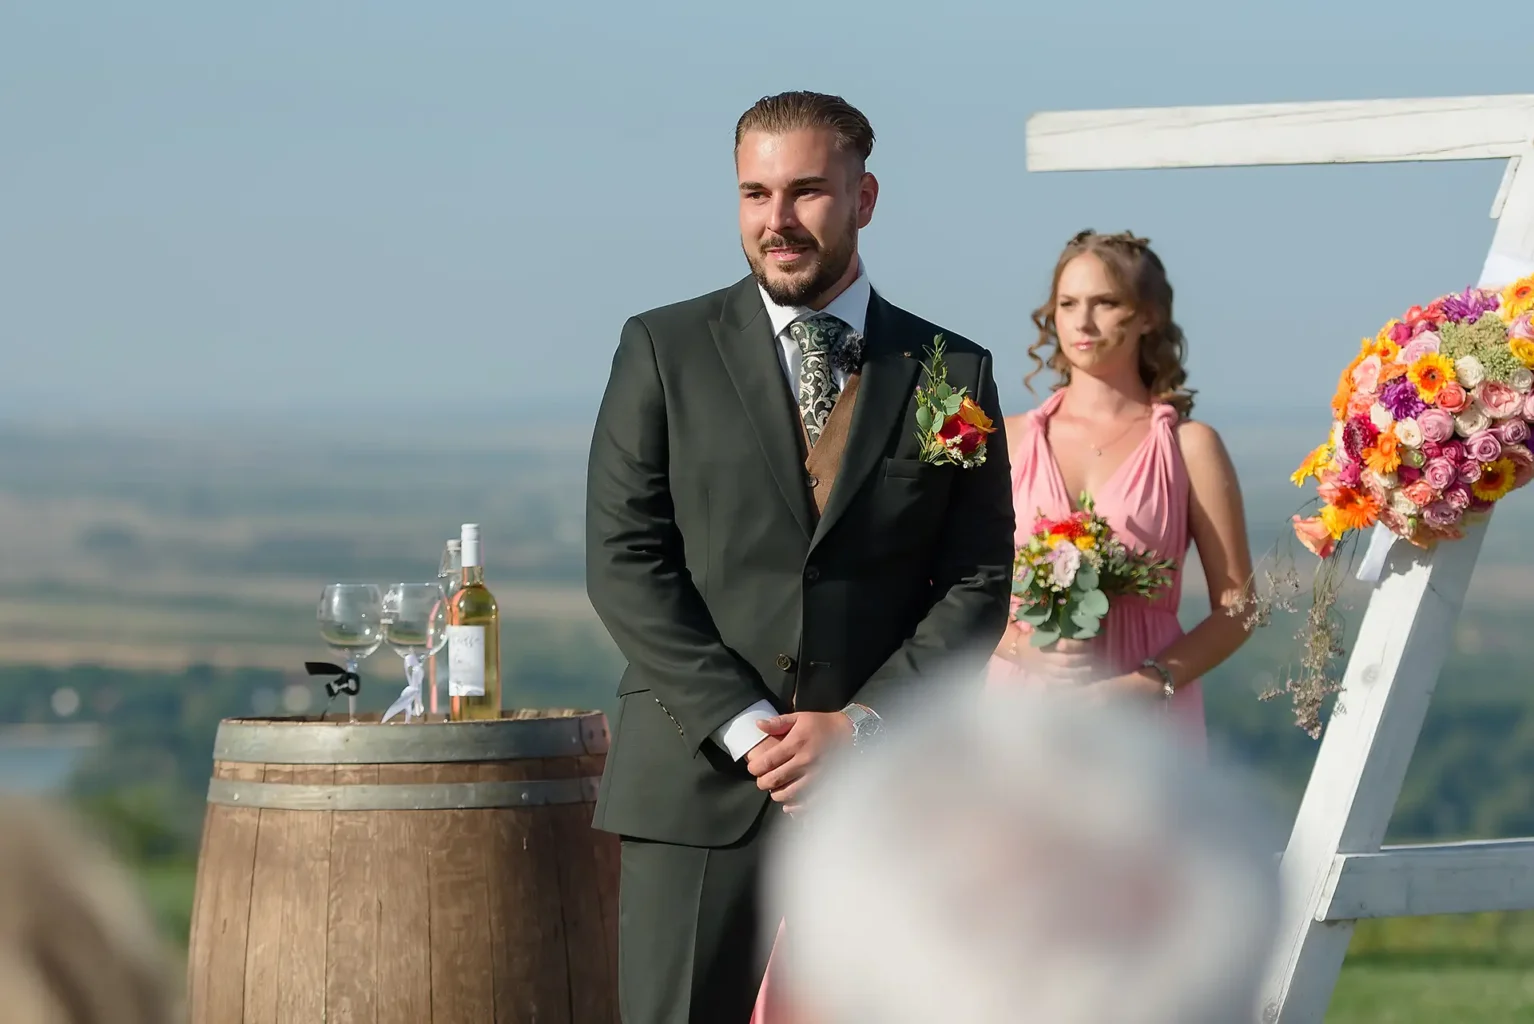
(1350,509)
(1430,373)
(1391,370)
(1385,456)
(1496,480)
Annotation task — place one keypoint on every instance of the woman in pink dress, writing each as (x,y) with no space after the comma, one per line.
(1117,427)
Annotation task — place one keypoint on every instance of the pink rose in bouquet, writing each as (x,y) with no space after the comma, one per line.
(1436,424)
(1514,430)
(1484,447)
(1439,473)
(1453,397)
(1499,399)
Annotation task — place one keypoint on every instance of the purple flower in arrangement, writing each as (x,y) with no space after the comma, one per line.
(1350,475)
(1401,398)
(1469,305)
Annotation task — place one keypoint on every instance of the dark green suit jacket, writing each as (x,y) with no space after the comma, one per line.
(707,563)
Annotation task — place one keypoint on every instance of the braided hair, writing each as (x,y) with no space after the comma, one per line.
(1140,275)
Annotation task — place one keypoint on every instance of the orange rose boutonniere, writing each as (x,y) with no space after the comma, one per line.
(951,425)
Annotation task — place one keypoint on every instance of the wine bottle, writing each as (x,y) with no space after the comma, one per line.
(473,639)
(450,576)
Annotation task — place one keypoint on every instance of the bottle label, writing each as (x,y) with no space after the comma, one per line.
(466,661)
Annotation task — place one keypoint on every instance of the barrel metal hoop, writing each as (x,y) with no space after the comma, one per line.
(255,742)
(444,796)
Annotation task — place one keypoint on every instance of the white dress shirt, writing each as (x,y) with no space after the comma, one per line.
(740,733)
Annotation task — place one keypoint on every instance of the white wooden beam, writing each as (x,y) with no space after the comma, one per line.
(1392,671)
(1445,878)
(1343,131)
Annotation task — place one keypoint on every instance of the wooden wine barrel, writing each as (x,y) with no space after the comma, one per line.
(430,873)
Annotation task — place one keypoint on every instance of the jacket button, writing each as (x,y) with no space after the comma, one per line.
(812,573)
(812,480)
(784,662)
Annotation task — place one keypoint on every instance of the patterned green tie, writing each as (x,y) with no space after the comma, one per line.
(817,336)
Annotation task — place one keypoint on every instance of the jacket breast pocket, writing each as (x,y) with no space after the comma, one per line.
(911,469)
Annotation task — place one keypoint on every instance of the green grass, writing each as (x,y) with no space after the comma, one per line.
(1465,969)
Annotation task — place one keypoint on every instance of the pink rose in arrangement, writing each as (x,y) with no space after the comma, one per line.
(1436,425)
(1469,472)
(1423,344)
(1458,496)
(1454,451)
(1513,431)
(1499,399)
(1402,333)
(1361,405)
(1453,397)
(1522,460)
(1439,473)
(1440,514)
(1432,449)
(1528,408)
(1315,535)
(1484,447)
(1523,327)
(1421,493)
(1394,521)
(1408,474)
(1366,375)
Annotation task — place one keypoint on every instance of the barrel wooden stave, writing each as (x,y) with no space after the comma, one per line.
(398,917)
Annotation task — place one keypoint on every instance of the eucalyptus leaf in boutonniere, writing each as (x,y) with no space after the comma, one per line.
(951,426)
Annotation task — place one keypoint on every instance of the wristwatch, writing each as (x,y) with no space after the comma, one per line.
(1167,689)
(865,723)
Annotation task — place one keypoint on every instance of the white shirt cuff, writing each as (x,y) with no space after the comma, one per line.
(740,734)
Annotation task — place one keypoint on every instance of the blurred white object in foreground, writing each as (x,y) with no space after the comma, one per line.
(1026,857)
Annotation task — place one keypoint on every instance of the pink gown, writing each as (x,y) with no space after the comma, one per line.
(1146,503)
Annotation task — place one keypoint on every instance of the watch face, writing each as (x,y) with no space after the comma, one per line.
(865,727)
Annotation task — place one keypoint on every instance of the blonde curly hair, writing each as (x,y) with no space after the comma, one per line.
(1139,274)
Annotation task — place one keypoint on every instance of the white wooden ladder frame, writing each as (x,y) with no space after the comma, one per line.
(1334,870)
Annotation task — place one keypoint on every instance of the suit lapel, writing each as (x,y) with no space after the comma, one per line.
(885,390)
(743,334)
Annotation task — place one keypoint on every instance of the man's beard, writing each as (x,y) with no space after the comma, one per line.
(830,265)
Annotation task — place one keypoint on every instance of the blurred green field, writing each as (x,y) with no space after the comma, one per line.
(1463,969)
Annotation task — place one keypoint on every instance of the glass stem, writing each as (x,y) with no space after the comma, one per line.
(351,698)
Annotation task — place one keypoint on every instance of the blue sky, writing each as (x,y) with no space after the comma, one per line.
(263,209)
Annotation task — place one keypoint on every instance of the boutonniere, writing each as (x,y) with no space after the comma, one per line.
(847,353)
(951,426)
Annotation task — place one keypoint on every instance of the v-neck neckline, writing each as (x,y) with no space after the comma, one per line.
(1111,479)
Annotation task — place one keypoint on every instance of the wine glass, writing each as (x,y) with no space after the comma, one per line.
(415,625)
(351,622)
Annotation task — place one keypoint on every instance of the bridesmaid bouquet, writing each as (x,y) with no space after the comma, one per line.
(1069,569)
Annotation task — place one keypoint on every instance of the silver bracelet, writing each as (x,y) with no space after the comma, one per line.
(1167,687)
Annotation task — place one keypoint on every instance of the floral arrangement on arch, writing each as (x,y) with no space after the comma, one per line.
(1431,426)
(1431,421)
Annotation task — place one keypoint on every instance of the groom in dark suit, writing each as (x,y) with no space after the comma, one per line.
(772,552)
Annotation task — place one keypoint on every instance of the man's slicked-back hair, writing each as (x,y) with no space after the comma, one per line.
(794,111)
